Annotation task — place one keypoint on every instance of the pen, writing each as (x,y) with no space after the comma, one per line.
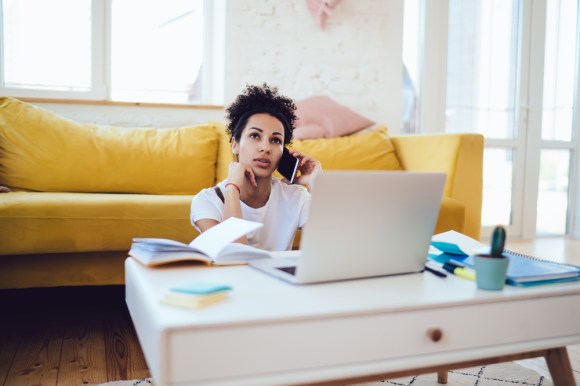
(436,272)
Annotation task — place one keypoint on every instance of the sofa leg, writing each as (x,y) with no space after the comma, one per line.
(442,377)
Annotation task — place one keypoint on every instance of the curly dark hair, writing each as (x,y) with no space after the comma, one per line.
(256,100)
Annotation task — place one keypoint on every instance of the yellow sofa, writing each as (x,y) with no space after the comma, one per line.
(81,192)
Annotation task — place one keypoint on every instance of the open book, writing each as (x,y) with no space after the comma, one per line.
(213,247)
(523,270)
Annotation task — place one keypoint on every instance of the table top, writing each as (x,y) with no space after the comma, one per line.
(257,296)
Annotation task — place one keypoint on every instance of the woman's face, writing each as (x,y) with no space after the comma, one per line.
(261,144)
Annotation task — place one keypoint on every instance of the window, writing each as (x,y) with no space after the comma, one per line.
(481,69)
(511,73)
(559,69)
(498,178)
(557,128)
(119,50)
(553,183)
(42,52)
(484,79)
(411,66)
(481,91)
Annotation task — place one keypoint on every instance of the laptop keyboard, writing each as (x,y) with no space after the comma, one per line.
(290,270)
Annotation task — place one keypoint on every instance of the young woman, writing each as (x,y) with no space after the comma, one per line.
(261,123)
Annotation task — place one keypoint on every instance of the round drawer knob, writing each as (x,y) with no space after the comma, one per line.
(435,334)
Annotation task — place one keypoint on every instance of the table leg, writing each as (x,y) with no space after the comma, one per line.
(442,377)
(559,366)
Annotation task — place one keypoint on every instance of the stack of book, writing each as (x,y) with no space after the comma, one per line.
(196,295)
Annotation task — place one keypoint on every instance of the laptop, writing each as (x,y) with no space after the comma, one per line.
(363,224)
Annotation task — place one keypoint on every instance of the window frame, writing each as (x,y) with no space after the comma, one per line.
(213,60)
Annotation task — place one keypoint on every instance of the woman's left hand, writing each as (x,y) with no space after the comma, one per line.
(309,167)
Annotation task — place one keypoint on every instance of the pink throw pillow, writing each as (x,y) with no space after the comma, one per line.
(321,117)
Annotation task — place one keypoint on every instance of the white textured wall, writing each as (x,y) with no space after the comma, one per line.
(356,60)
(135,116)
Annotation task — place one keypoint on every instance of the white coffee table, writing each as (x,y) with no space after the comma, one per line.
(272,333)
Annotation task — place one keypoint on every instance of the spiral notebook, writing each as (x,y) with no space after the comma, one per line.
(523,270)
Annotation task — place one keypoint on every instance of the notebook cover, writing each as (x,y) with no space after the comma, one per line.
(526,269)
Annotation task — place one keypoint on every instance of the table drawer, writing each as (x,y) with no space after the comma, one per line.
(196,354)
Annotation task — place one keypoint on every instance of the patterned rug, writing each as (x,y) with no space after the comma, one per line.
(503,374)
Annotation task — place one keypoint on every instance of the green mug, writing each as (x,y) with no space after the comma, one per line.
(490,272)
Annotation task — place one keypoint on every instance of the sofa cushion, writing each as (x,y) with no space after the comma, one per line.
(43,151)
(370,150)
(225,155)
(40,222)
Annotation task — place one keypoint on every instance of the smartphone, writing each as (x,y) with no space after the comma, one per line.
(288,165)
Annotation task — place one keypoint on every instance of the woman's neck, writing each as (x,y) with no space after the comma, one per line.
(257,196)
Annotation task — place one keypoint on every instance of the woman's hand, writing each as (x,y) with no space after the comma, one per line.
(309,167)
(240,174)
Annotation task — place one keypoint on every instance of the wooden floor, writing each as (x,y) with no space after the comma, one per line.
(84,336)
(67,336)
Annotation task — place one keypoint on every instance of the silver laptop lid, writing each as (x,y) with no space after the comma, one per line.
(369,223)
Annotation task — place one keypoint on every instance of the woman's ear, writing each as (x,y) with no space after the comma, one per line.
(235,150)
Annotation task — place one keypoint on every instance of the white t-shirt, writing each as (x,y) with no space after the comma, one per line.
(286,211)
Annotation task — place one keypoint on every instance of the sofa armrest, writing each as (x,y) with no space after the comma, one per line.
(460,156)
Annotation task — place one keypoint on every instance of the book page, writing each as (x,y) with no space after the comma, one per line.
(157,243)
(215,239)
(236,253)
